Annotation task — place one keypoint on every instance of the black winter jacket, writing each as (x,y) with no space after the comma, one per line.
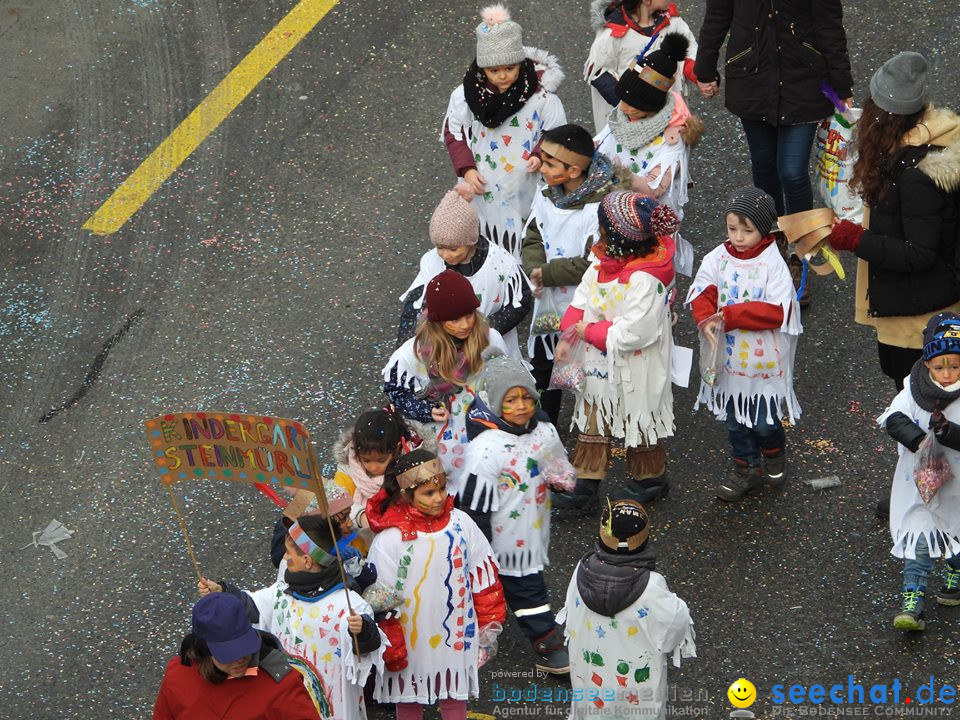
(778,53)
(911,240)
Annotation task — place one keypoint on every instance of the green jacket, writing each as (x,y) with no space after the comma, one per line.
(564,271)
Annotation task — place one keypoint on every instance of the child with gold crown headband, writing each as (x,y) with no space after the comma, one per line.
(444,571)
(622,621)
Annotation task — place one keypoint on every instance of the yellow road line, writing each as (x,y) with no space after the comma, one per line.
(479,716)
(212,110)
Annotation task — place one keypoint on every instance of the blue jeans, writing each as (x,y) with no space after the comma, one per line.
(749,442)
(780,162)
(917,572)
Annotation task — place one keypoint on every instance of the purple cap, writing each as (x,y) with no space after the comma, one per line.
(220,620)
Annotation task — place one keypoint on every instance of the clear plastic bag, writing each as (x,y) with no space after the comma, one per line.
(546,316)
(568,362)
(557,470)
(487,642)
(931,468)
(712,347)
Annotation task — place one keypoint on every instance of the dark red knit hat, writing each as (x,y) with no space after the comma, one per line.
(449,296)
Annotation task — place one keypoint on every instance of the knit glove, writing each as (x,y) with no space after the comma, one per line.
(845,236)
(939,424)
(946,432)
(394,656)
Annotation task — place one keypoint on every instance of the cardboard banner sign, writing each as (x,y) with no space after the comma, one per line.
(229,446)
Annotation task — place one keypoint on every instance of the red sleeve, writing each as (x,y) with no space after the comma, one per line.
(688,72)
(571,317)
(293,702)
(752,316)
(460,154)
(705,304)
(490,604)
(596,334)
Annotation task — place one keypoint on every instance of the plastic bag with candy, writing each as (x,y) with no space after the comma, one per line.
(546,317)
(931,468)
(569,358)
(556,469)
(487,642)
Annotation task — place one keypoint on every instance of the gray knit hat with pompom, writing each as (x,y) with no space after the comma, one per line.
(499,39)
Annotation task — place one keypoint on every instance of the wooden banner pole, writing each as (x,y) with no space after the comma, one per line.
(183,529)
(317,481)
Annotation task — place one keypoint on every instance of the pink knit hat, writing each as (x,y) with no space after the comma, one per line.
(454,222)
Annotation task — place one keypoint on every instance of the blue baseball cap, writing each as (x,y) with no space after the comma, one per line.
(220,620)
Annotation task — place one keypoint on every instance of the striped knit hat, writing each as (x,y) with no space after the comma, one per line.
(631,220)
(755,204)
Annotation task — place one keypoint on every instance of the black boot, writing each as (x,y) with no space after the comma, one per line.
(583,497)
(645,491)
(552,655)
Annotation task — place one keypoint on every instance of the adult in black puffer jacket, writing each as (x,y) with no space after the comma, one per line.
(778,53)
(908,171)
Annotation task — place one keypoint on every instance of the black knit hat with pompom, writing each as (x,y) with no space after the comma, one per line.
(646,85)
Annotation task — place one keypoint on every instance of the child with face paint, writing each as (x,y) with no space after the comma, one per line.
(494,123)
(512,446)
(446,575)
(923,527)
(287,609)
(560,231)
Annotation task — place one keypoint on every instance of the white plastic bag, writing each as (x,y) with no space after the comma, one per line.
(836,156)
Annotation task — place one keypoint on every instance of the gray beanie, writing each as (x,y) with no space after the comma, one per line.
(499,374)
(755,204)
(900,85)
(499,39)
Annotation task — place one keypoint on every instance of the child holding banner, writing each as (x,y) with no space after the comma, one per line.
(430,377)
(327,641)
(445,572)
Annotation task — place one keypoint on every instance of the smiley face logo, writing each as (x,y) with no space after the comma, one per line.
(742,693)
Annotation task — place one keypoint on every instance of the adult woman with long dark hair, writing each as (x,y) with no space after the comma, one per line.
(908,173)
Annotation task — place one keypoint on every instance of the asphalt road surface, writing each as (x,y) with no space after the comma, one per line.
(263,277)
